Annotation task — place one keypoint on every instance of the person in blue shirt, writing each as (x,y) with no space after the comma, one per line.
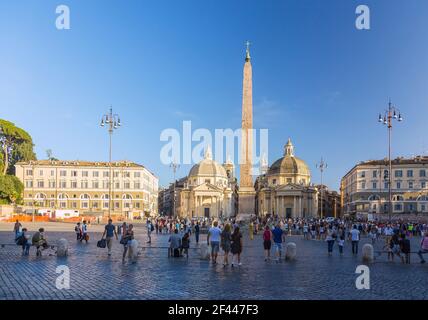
(278,238)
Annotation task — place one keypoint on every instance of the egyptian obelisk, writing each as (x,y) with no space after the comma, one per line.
(246,193)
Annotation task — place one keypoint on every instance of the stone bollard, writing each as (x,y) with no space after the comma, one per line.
(368,253)
(133,250)
(205,252)
(290,253)
(62,248)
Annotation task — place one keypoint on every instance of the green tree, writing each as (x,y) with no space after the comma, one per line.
(11,189)
(16,145)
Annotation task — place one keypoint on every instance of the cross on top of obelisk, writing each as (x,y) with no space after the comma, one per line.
(247,56)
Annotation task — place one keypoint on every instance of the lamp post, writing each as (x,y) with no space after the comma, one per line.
(174,167)
(113,122)
(391,113)
(322,166)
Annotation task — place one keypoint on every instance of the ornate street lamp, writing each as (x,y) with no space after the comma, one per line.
(113,122)
(322,166)
(392,113)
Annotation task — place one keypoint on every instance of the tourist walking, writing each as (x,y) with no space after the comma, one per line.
(78,231)
(330,238)
(127,237)
(17,228)
(109,233)
(278,238)
(355,239)
(424,247)
(226,243)
(236,246)
(85,235)
(341,243)
(22,240)
(405,249)
(174,244)
(213,239)
(267,242)
(185,244)
(197,229)
(150,229)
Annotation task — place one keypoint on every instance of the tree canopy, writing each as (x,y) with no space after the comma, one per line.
(11,189)
(17,145)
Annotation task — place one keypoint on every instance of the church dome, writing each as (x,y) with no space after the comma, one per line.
(289,164)
(208,167)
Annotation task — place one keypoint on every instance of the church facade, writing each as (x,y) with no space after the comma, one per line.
(208,191)
(284,189)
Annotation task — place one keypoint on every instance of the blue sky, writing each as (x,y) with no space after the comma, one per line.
(316,78)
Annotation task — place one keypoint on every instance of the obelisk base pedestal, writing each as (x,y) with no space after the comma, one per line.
(246,204)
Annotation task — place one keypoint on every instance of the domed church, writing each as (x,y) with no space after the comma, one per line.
(208,190)
(284,188)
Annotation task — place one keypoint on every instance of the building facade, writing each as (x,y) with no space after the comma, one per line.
(285,189)
(365,188)
(329,201)
(85,186)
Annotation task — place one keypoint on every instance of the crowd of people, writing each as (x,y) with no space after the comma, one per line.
(226,234)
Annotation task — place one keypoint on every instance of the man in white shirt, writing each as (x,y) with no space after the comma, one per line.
(355,238)
(214,234)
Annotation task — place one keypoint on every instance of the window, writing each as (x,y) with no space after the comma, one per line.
(105,184)
(95,185)
(137,205)
(374,185)
(126,185)
(52,184)
(385,174)
(117,205)
(375,174)
(74,173)
(95,205)
(63,173)
(116,174)
(423,184)
(409,173)
(410,185)
(74,184)
(398,207)
(84,184)
(398,173)
(411,208)
(385,185)
(63,184)
(363,185)
(117,185)
(28,184)
(95,174)
(40,184)
(136,185)
(85,204)
(29,172)
(363,174)
(105,204)
(422,173)
(274,181)
(105,174)
(423,208)
(137,174)
(52,173)
(398,185)
(74,204)
(41,173)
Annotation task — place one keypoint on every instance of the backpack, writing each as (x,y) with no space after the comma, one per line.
(20,240)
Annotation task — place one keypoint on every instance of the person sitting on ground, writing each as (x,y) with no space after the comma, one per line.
(39,240)
(185,244)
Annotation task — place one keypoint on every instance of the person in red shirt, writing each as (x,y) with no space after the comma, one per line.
(267,242)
